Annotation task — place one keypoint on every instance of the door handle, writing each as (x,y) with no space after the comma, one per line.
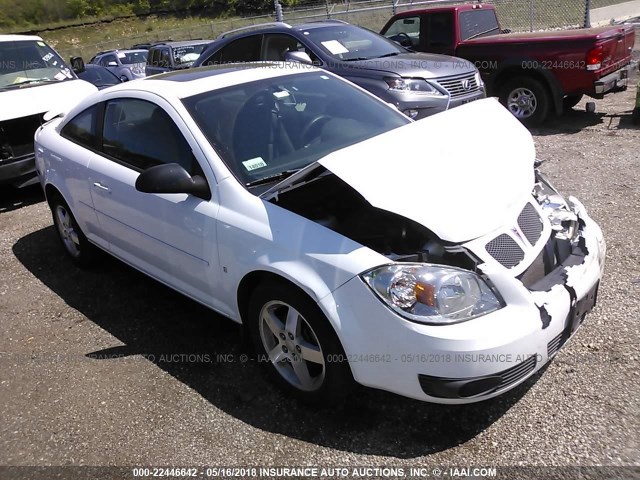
(102,187)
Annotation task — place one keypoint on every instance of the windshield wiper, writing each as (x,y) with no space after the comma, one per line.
(272,178)
(29,82)
(355,59)
(482,33)
(392,54)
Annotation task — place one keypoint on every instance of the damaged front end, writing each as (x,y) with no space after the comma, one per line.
(17,163)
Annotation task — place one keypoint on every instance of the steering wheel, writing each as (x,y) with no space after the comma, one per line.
(403,39)
(309,132)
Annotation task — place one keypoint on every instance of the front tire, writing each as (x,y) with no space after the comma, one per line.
(74,242)
(297,345)
(527,99)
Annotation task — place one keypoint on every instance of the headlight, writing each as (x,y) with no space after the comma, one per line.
(432,294)
(564,220)
(412,85)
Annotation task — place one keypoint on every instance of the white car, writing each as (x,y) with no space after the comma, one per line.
(424,258)
(34,80)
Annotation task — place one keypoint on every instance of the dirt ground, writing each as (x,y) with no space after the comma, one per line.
(107,367)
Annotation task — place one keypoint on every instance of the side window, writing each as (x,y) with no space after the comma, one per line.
(275,46)
(245,49)
(154,56)
(165,60)
(82,128)
(405,31)
(109,58)
(478,23)
(140,134)
(440,29)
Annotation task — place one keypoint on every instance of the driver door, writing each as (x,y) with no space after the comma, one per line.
(172,237)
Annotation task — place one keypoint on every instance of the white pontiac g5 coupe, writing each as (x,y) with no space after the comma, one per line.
(426,258)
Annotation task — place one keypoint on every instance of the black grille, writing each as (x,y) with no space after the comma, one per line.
(554,345)
(505,250)
(530,223)
(513,374)
(460,86)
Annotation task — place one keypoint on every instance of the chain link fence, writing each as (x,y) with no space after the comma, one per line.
(516,15)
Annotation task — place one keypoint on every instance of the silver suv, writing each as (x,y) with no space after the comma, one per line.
(125,64)
(418,84)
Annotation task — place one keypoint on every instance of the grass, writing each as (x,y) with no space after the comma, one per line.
(86,40)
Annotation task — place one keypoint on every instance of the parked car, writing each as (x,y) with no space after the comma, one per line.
(168,56)
(33,80)
(352,242)
(126,64)
(417,84)
(534,74)
(99,76)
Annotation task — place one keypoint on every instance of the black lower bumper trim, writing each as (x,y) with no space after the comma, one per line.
(441,387)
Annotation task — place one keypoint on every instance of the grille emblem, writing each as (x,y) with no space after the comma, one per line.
(466,84)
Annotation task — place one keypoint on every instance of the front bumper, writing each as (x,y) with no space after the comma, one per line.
(474,360)
(423,106)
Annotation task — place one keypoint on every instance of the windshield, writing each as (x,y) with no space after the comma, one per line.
(130,58)
(188,53)
(268,129)
(30,62)
(349,43)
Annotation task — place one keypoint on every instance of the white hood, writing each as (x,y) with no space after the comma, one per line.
(462,173)
(58,97)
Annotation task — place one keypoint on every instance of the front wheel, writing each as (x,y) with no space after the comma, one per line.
(297,345)
(75,244)
(527,99)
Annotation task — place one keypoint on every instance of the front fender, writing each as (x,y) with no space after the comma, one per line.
(257,235)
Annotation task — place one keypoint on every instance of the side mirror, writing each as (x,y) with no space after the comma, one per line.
(112,64)
(172,178)
(296,56)
(77,64)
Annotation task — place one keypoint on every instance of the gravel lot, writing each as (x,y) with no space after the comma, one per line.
(143,400)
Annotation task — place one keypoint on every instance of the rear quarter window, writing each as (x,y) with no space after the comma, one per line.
(82,128)
(478,23)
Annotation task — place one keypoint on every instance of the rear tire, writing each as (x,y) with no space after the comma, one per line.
(82,252)
(527,99)
(297,346)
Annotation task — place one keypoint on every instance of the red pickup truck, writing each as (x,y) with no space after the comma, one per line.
(534,74)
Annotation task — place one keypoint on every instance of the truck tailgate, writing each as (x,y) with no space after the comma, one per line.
(616,44)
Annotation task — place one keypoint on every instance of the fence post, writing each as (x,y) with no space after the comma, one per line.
(326,3)
(587,14)
(279,14)
(531,14)
(394,4)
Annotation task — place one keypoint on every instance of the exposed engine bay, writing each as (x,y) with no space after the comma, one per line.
(330,202)
(16,136)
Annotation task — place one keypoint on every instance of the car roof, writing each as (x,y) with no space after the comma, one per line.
(183,43)
(192,81)
(438,8)
(118,50)
(17,38)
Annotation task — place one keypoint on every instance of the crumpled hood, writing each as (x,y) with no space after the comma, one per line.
(415,65)
(42,98)
(462,173)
